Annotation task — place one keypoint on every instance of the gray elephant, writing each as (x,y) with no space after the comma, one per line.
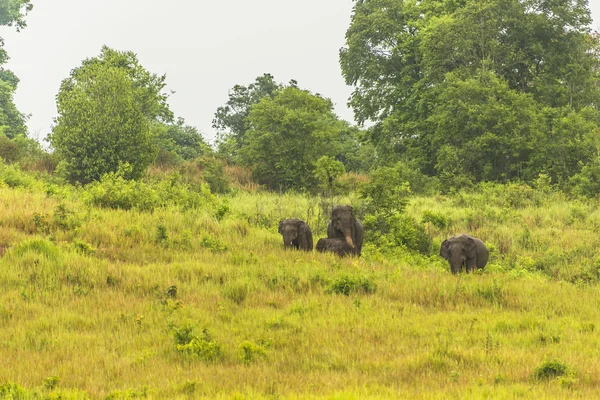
(345,225)
(338,246)
(296,233)
(464,250)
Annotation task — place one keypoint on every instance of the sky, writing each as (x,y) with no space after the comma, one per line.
(203,47)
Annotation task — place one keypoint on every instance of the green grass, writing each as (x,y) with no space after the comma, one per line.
(205,303)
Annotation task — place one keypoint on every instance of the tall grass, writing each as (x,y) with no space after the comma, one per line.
(204,302)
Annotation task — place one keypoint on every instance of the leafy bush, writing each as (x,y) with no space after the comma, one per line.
(438,220)
(203,348)
(249,351)
(236,292)
(114,191)
(550,369)
(350,284)
(13,177)
(389,232)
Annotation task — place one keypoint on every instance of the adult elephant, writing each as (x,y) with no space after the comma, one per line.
(296,234)
(464,250)
(344,224)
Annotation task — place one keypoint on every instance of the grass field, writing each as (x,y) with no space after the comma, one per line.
(204,302)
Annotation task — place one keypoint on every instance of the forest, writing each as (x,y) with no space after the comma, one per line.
(139,260)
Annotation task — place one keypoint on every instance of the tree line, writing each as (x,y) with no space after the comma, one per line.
(447,94)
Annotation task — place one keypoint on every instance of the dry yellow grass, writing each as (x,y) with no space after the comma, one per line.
(93,300)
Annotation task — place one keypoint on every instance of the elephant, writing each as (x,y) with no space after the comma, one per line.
(296,233)
(338,246)
(345,225)
(464,250)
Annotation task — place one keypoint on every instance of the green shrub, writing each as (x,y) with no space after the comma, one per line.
(349,284)
(550,369)
(203,348)
(236,292)
(393,231)
(215,245)
(250,351)
(438,220)
(13,177)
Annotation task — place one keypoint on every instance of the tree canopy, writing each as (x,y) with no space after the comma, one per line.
(12,121)
(105,110)
(286,136)
(231,119)
(471,89)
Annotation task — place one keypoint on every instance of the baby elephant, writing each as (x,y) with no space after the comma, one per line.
(296,234)
(464,250)
(335,245)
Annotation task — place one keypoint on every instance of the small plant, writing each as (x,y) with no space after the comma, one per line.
(249,351)
(183,335)
(41,225)
(204,348)
(213,244)
(65,218)
(347,284)
(189,387)
(222,210)
(550,369)
(83,247)
(236,292)
(161,234)
(172,292)
(436,219)
(51,382)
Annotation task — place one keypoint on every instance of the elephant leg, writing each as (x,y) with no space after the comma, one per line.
(470,264)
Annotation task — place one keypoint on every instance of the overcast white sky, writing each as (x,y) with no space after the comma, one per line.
(204,47)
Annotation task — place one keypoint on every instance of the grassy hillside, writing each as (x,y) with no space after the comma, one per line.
(197,298)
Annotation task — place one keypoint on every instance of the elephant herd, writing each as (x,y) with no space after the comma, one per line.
(345,235)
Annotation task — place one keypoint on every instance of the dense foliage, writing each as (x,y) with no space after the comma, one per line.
(287,135)
(12,121)
(477,90)
(101,124)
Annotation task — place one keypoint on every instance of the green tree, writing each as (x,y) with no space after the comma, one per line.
(231,119)
(148,88)
(178,142)
(402,56)
(101,124)
(13,12)
(327,170)
(12,122)
(287,135)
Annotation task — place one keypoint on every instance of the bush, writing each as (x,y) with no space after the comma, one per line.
(114,191)
(349,284)
(389,232)
(550,369)
(203,348)
(249,351)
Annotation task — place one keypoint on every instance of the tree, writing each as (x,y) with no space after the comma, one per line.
(178,142)
(13,12)
(12,122)
(148,88)
(101,124)
(231,119)
(287,135)
(401,56)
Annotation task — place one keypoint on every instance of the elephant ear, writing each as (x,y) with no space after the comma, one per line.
(305,235)
(471,248)
(445,249)
(280,230)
